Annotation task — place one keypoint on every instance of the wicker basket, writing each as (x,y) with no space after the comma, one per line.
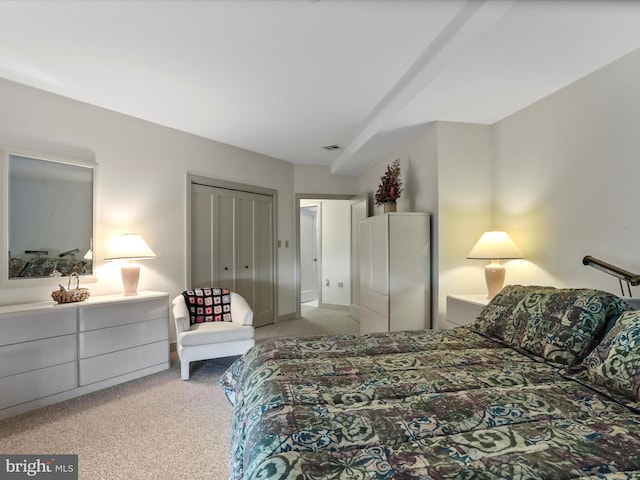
(69,295)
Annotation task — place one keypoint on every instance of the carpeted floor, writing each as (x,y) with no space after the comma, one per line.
(157,427)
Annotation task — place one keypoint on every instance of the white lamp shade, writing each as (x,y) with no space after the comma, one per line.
(130,246)
(495,246)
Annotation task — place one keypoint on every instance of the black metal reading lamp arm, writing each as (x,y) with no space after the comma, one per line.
(37,253)
(620,273)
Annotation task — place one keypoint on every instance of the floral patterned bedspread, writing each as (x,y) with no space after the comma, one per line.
(420,404)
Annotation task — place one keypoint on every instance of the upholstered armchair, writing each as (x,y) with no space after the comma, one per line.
(202,341)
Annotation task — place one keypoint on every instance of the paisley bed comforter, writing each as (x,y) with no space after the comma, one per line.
(445,404)
(422,404)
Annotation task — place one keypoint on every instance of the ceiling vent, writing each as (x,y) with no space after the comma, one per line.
(331,148)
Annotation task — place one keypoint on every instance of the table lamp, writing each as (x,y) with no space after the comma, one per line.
(494,246)
(130,247)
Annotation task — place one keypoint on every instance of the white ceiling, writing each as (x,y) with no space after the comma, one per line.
(286,77)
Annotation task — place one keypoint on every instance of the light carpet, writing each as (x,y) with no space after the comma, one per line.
(157,427)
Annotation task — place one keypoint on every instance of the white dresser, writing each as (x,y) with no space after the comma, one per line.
(50,353)
(395,265)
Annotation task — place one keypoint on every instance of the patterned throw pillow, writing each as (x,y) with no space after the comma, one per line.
(208,304)
(40,267)
(16,266)
(67,266)
(497,320)
(564,325)
(559,325)
(615,363)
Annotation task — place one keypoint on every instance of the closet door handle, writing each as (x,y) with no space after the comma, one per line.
(246,266)
(226,268)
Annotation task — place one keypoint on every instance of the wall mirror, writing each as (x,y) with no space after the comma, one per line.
(48,217)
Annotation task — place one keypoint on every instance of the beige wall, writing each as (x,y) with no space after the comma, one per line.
(309,179)
(447,172)
(465,170)
(566,179)
(141,185)
(336,252)
(563,183)
(560,176)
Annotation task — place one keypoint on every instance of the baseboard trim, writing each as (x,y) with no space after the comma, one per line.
(334,306)
(286,316)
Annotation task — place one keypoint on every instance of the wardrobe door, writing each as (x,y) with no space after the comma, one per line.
(366,268)
(255,255)
(246,247)
(380,254)
(213,237)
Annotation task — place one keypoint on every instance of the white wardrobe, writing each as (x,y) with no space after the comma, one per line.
(232,245)
(395,272)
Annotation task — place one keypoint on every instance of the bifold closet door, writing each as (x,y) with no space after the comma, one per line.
(255,255)
(232,246)
(213,237)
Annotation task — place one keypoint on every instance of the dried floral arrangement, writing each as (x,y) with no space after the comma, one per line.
(390,186)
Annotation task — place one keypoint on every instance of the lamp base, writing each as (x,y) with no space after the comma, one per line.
(130,276)
(494,274)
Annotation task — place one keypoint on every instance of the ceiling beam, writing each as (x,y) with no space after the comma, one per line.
(473,20)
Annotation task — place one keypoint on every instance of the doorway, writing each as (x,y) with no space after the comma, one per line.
(231,242)
(310,292)
(331,275)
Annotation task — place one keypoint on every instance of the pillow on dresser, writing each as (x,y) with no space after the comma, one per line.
(208,304)
(615,363)
(559,325)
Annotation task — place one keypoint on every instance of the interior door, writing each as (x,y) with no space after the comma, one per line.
(213,237)
(309,270)
(359,211)
(246,245)
(232,243)
(255,255)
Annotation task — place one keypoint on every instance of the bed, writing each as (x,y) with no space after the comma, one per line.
(543,385)
(45,266)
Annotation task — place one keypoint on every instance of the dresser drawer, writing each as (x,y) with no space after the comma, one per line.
(118,363)
(35,384)
(45,349)
(375,301)
(37,324)
(23,357)
(105,340)
(371,321)
(92,317)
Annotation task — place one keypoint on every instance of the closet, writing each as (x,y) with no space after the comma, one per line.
(232,245)
(395,272)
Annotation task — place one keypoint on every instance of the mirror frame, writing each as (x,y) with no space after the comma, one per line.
(5,153)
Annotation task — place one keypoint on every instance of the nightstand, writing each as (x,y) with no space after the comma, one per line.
(464,309)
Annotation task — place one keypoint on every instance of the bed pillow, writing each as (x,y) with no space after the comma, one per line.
(67,266)
(208,305)
(496,320)
(564,325)
(615,363)
(559,325)
(40,267)
(16,266)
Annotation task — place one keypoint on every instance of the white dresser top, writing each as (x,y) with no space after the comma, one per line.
(92,300)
